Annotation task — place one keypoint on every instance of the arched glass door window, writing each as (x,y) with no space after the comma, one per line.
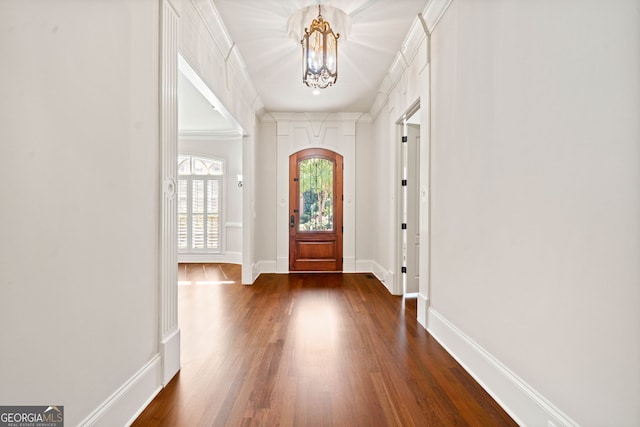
(316,194)
(199,204)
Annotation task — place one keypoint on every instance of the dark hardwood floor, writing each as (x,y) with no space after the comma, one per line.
(310,350)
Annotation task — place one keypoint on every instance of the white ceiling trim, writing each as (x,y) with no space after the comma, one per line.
(434,12)
(274,61)
(233,61)
(201,86)
(209,135)
(409,51)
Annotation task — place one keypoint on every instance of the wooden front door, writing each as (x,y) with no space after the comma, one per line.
(315,210)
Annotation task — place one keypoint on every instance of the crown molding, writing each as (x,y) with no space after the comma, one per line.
(434,11)
(407,54)
(209,135)
(235,88)
(305,117)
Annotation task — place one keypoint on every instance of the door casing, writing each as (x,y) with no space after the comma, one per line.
(319,250)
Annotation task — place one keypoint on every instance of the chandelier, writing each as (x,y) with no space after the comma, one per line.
(319,54)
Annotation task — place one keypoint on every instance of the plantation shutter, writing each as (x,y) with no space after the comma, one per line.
(199,204)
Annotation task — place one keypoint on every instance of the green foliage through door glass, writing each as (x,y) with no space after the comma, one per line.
(316,195)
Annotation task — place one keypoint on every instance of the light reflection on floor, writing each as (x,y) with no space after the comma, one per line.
(205,282)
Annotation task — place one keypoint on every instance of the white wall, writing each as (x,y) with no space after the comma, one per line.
(536,201)
(360,172)
(384,204)
(230,151)
(249,212)
(208,49)
(365,195)
(266,200)
(295,132)
(401,89)
(80,202)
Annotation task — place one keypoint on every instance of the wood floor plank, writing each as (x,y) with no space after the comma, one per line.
(310,350)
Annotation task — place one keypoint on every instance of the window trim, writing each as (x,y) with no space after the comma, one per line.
(189,179)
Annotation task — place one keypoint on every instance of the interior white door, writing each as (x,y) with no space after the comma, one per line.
(413,208)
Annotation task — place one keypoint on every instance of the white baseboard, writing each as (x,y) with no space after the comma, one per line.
(227,257)
(248,273)
(255,272)
(124,406)
(364,266)
(423,307)
(379,272)
(282,265)
(387,277)
(351,265)
(170,354)
(233,257)
(525,405)
(348,264)
(266,267)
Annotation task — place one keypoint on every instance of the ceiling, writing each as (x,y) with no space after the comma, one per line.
(196,113)
(273,59)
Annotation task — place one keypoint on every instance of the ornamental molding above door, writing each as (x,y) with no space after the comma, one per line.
(335,132)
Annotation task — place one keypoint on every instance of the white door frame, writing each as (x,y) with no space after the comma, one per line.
(401,198)
(169,334)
